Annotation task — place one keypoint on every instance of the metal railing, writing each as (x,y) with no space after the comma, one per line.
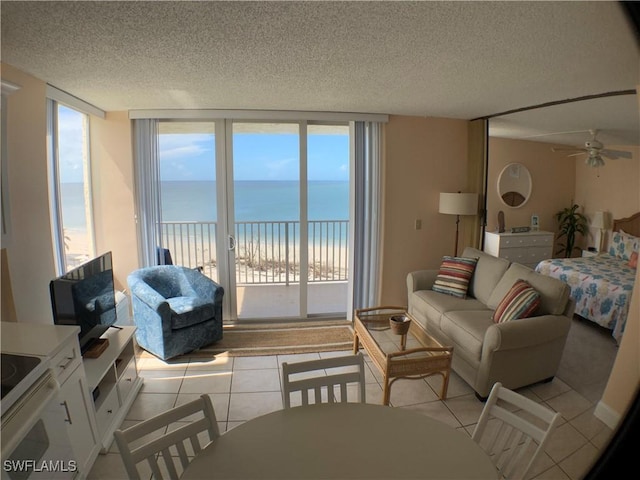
(267,252)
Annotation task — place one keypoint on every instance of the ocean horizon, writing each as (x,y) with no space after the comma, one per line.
(254,200)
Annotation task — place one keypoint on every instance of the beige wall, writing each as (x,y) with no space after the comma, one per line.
(614,188)
(29,251)
(552,176)
(113,192)
(423,157)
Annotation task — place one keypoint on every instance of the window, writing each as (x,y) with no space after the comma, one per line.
(70,180)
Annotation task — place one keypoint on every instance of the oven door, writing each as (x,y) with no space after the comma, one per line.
(35,442)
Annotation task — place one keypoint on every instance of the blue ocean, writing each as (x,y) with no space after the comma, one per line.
(195,201)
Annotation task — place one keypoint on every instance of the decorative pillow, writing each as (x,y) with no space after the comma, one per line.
(519,302)
(454,276)
(623,245)
(633,260)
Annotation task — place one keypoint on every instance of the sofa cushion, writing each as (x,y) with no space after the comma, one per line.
(466,330)
(519,302)
(489,270)
(188,311)
(431,305)
(554,294)
(454,276)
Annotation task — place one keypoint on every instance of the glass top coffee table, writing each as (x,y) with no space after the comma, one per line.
(413,355)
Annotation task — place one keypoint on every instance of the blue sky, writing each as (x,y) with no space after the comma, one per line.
(257,156)
(271,156)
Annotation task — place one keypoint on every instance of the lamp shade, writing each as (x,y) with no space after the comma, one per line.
(600,220)
(458,203)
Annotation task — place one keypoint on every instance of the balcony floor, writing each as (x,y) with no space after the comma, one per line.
(278,301)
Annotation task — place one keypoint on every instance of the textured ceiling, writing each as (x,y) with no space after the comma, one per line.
(440,59)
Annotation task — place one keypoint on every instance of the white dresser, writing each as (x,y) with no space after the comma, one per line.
(526,248)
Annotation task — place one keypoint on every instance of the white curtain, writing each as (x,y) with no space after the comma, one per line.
(147,178)
(368,214)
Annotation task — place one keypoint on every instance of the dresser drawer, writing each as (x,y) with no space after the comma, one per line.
(66,361)
(537,254)
(525,241)
(518,255)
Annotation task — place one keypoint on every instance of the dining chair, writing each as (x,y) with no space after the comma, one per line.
(515,432)
(134,451)
(323,377)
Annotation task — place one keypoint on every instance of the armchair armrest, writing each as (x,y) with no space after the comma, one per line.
(525,332)
(421,280)
(204,286)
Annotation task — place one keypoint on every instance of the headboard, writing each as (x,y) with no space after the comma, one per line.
(631,225)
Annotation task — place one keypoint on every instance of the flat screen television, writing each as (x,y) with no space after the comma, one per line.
(85,297)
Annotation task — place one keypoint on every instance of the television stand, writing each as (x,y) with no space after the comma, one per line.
(113,380)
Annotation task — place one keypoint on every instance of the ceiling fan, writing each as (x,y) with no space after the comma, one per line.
(595,151)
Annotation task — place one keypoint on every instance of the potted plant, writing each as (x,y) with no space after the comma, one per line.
(570,222)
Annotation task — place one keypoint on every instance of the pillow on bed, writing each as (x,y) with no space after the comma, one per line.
(454,276)
(519,302)
(623,245)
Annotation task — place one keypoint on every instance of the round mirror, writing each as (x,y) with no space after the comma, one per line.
(514,185)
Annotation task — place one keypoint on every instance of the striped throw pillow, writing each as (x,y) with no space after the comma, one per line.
(519,302)
(454,276)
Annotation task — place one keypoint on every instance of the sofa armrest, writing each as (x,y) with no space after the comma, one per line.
(421,280)
(526,332)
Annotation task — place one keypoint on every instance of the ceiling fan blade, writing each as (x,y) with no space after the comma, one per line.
(576,154)
(613,154)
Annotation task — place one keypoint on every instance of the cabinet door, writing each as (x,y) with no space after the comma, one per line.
(74,395)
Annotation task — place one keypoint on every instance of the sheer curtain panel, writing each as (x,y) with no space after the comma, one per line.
(368,214)
(147,178)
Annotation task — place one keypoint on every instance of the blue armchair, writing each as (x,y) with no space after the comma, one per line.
(176,309)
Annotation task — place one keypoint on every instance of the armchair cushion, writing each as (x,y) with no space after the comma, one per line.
(187,311)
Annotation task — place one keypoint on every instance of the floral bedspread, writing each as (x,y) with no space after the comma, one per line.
(600,285)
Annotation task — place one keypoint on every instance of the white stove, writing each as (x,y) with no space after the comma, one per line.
(19,373)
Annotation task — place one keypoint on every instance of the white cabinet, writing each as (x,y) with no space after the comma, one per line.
(527,248)
(74,396)
(113,382)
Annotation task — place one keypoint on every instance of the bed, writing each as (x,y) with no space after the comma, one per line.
(601,285)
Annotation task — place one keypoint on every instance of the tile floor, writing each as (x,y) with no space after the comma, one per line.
(243,388)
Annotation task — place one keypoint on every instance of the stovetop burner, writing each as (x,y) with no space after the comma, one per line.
(14,369)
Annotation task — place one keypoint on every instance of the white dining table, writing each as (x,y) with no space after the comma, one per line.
(345,441)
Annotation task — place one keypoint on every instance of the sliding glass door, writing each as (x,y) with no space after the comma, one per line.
(266,219)
(328,214)
(262,208)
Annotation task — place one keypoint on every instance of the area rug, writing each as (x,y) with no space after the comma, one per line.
(282,338)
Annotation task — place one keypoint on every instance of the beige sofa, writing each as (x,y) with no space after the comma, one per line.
(516,353)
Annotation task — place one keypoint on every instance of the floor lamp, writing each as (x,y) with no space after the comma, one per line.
(458,204)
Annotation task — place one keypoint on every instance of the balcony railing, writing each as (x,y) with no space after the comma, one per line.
(266,252)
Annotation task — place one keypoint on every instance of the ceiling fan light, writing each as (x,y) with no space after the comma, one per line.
(594,161)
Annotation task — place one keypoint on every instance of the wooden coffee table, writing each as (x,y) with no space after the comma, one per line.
(422,357)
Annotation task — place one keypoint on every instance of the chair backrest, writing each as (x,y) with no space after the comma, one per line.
(171,445)
(514,435)
(326,378)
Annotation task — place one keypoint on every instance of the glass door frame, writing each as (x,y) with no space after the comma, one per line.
(226,197)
